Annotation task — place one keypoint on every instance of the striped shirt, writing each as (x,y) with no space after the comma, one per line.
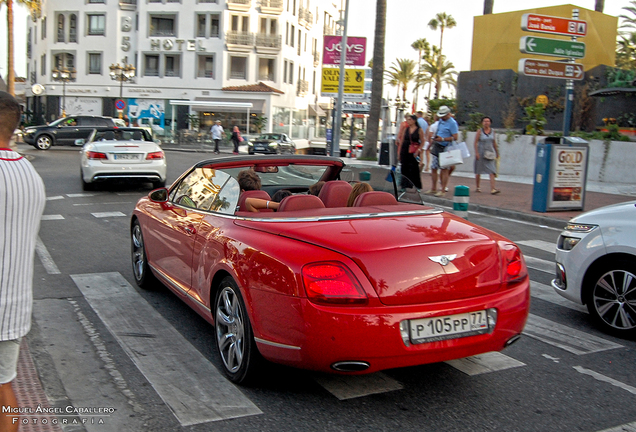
(22,200)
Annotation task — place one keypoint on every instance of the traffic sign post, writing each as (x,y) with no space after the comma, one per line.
(120,104)
(551,69)
(551,47)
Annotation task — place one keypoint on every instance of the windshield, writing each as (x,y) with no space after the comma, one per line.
(291,175)
(274,137)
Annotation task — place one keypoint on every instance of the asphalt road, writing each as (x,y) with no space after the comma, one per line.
(89,317)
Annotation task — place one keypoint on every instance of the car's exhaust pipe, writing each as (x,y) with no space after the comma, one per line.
(350,366)
(512,340)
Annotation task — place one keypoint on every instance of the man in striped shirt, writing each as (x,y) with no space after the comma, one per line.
(22,199)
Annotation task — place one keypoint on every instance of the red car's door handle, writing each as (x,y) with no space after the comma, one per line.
(190,229)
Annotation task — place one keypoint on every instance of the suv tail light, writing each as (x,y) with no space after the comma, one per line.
(96,155)
(332,283)
(155,155)
(514,267)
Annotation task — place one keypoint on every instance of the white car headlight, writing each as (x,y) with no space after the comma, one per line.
(579,228)
(568,243)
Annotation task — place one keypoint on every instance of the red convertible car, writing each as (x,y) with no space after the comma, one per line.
(385,283)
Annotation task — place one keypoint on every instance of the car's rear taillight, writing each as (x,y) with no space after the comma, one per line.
(96,155)
(514,267)
(155,155)
(332,283)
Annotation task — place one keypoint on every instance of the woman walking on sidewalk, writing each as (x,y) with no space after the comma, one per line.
(236,139)
(486,154)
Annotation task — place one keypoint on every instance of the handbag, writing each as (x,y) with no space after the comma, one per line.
(490,155)
(437,148)
(414,147)
(450,158)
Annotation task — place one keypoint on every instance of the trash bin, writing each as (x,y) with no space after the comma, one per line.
(560,174)
(385,157)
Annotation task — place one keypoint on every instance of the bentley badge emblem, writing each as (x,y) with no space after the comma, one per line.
(443,259)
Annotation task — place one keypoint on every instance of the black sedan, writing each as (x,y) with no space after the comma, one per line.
(271,143)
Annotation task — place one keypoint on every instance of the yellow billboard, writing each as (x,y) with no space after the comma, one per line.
(353,83)
(496,38)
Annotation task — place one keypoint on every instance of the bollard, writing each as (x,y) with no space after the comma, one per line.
(365,176)
(461,200)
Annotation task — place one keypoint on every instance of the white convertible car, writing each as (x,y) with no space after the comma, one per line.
(122,153)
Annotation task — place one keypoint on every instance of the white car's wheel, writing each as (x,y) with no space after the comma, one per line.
(85,185)
(612,298)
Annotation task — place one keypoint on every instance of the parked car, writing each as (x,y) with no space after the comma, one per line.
(122,153)
(596,266)
(272,143)
(322,286)
(65,131)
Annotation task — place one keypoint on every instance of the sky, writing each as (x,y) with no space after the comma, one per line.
(407,21)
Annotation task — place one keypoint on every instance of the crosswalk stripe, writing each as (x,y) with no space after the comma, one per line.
(52,217)
(353,386)
(485,363)
(45,257)
(108,214)
(80,195)
(539,264)
(539,244)
(547,293)
(564,337)
(606,379)
(628,427)
(54,198)
(188,383)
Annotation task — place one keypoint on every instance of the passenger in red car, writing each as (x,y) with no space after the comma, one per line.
(358,188)
(257,204)
(315,188)
(249,180)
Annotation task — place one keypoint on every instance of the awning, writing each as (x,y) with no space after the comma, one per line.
(316,111)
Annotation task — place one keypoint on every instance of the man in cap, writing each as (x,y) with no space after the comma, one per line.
(22,199)
(447,131)
(217,135)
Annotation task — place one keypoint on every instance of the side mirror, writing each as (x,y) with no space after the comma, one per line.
(159,195)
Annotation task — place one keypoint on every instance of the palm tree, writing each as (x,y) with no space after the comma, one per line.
(629,21)
(441,20)
(34,6)
(369,147)
(599,6)
(440,71)
(626,51)
(488,4)
(420,45)
(402,71)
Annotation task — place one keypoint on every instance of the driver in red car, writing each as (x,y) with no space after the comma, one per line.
(249,180)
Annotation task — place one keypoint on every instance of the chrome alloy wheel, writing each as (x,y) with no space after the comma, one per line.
(613,300)
(138,253)
(43,142)
(230,329)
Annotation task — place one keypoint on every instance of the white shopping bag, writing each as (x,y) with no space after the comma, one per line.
(460,146)
(450,157)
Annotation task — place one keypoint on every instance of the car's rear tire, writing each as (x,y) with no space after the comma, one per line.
(233,334)
(611,297)
(43,142)
(141,270)
(85,185)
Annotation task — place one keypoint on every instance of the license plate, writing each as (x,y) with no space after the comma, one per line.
(258,147)
(127,156)
(448,327)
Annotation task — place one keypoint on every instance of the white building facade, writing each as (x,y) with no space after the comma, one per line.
(220,59)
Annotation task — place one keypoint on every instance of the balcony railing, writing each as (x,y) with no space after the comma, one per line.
(266,77)
(305,17)
(303,87)
(239,5)
(268,41)
(316,58)
(272,6)
(329,30)
(233,37)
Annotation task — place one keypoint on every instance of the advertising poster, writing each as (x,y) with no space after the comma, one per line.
(148,113)
(356,50)
(82,105)
(568,177)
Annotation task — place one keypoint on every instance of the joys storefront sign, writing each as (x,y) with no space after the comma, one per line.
(356,51)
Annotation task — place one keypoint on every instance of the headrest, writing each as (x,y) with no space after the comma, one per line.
(109,136)
(300,202)
(137,136)
(335,193)
(252,194)
(374,198)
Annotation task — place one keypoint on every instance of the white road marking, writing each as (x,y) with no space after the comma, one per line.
(51,217)
(606,379)
(564,337)
(101,203)
(539,244)
(45,257)
(511,220)
(547,293)
(53,198)
(80,195)
(549,357)
(354,386)
(186,381)
(628,427)
(485,363)
(108,214)
(539,264)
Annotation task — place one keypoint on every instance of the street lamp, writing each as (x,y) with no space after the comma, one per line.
(63,76)
(122,74)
